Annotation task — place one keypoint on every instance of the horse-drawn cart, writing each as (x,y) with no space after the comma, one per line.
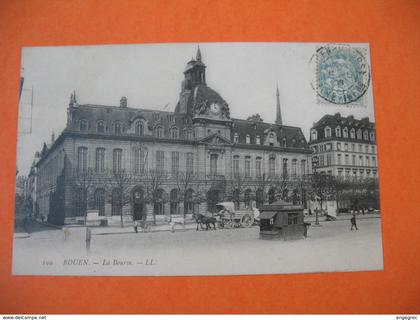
(230,218)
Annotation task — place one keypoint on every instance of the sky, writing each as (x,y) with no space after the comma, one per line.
(150,75)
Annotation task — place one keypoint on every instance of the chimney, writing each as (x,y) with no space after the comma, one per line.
(123,102)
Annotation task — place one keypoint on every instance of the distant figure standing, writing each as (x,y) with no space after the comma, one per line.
(353,222)
(88,238)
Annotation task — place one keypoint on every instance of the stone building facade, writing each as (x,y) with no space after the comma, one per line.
(137,162)
(344,146)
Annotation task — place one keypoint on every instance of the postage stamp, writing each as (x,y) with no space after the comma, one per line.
(342,74)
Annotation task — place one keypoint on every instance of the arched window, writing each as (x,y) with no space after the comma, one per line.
(271,139)
(117,128)
(345,132)
(327,132)
(174,201)
(359,134)
(248,139)
(159,132)
(352,133)
(139,128)
(314,135)
(116,202)
(188,203)
(366,135)
(99,199)
(100,126)
(83,125)
(236,138)
(174,133)
(338,132)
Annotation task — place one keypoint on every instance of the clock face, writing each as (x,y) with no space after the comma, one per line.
(215,108)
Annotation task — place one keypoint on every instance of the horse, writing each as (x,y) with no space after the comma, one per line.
(202,219)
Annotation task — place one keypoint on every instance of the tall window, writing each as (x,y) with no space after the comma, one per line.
(346,159)
(372,136)
(374,161)
(360,160)
(235,165)
(174,133)
(160,160)
(100,160)
(272,166)
(338,146)
(302,167)
(338,131)
(235,138)
(359,134)
(327,132)
(139,161)
(353,148)
(285,169)
(83,125)
(258,167)
(339,159)
(175,162)
(353,160)
(367,161)
(117,128)
(100,126)
(314,135)
(189,134)
(159,132)
(345,132)
(82,159)
(352,133)
(373,149)
(213,163)
(365,135)
(248,139)
(366,149)
(257,140)
(117,160)
(139,128)
(294,167)
(247,166)
(190,162)
(271,139)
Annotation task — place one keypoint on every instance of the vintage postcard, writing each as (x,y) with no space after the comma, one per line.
(196,159)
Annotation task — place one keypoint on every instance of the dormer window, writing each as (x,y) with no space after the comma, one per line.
(139,128)
(83,125)
(359,134)
(345,132)
(156,116)
(159,132)
(171,117)
(257,140)
(190,134)
(174,133)
(117,128)
(366,135)
(100,127)
(284,142)
(338,132)
(372,136)
(248,139)
(236,138)
(271,139)
(314,135)
(327,132)
(352,133)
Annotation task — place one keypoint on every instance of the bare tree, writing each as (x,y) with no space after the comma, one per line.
(236,187)
(281,185)
(186,181)
(262,182)
(322,189)
(82,182)
(119,183)
(154,179)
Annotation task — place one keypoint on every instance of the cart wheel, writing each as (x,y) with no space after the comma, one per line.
(247,221)
(229,224)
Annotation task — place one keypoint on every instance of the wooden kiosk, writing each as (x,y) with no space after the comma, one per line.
(282,220)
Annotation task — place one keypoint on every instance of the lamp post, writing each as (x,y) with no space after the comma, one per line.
(315,161)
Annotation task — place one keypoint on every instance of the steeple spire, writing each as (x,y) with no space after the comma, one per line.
(198,57)
(278,113)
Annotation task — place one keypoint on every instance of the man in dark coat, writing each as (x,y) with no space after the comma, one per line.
(353,221)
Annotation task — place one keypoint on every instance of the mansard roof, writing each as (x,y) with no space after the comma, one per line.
(338,120)
(293,135)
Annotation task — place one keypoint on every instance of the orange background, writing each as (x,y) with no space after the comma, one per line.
(391,28)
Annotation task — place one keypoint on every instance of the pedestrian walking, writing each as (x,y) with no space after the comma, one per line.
(88,238)
(353,222)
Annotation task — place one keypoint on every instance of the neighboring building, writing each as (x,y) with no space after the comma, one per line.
(199,140)
(344,146)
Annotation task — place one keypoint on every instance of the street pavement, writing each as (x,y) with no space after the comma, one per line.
(330,247)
